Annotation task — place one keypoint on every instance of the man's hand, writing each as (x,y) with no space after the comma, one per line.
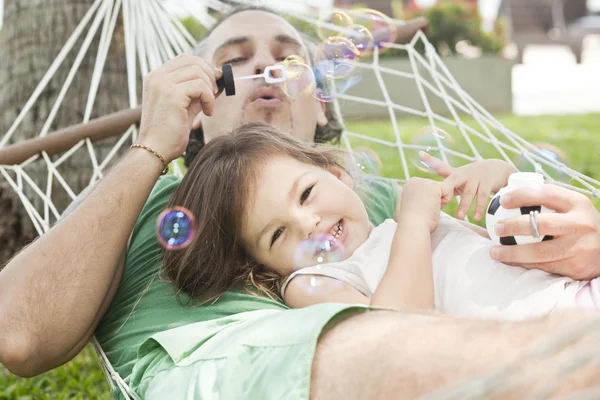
(575,250)
(472,181)
(173,97)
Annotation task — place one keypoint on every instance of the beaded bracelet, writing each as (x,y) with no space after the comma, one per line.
(161,158)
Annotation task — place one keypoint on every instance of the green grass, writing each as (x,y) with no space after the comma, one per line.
(577,136)
(81,378)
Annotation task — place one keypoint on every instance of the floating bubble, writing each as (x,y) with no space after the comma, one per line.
(549,152)
(318,250)
(175,228)
(336,57)
(431,140)
(334,24)
(327,88)
(361,37)
(300,77)
(382,28)
(367,161)
(294,58)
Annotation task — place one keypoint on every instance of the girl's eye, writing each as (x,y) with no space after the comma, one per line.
(276,235)
(305,194)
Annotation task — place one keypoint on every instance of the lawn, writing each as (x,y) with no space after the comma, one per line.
(577,136)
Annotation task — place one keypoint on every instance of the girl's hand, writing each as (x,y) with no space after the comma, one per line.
(472,181)
(422,200)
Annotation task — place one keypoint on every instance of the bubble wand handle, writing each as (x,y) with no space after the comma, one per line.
(272,74)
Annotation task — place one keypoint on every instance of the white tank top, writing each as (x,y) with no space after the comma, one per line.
(467,281)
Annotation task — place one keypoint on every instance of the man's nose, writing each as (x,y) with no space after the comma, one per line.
(263,59)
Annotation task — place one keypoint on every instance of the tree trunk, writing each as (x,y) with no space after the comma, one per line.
(33,34)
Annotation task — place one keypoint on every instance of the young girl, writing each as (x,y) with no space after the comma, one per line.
(281,217)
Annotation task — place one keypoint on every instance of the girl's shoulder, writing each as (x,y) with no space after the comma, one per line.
(308,290)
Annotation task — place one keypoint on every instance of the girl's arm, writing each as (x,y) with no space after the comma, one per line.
(408,279)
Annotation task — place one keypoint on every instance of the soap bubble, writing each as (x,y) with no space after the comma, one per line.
(546,151)
(334,24)
(382,28)
(367,161)
(361,37)
(336,56)
(431,140)
(300,78)
(175,228)
(327,88)
(318,250)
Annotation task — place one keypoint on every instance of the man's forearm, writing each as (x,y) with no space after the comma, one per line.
(401,355)
(51,293)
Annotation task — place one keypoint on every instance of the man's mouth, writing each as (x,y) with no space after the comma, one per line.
(268,97)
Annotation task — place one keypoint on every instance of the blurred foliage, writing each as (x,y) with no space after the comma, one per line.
(451,22)
(194,27)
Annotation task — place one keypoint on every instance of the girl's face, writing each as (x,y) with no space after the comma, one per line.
(297,205)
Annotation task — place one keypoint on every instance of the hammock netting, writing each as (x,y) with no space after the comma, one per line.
(462,133)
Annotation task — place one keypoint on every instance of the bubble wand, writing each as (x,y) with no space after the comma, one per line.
(272,74)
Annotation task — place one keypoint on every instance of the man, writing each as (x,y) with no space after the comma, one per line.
(56,293)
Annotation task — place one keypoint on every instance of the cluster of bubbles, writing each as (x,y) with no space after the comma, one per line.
(175,228)
(441,145)
(346,36)
(546,151)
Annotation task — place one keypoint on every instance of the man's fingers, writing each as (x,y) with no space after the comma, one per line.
(197,89)
(438,166)
(190,73)
(212,73)
(551,196)
(182,60)
(559,267)
(553,224)
(533,253)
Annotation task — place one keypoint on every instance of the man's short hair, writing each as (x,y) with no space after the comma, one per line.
(330,133)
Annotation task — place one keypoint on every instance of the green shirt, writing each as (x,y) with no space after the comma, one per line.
(145,305)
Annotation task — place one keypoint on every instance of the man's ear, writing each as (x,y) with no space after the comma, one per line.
(321,110)
(197,121)
(342,175)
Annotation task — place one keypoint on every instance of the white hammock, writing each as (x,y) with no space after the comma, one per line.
(153,36)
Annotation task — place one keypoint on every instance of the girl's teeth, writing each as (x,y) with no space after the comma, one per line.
(337,230)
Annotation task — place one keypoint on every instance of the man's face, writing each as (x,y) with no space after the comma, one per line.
(252,41)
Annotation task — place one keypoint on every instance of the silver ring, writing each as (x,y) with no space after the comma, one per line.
(533,222)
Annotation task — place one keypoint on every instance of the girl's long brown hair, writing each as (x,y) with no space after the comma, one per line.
(216,189)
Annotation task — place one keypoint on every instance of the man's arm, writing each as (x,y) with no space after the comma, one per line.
(54,293)
(403,355)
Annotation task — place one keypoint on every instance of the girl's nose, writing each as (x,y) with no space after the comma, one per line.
(309,225)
